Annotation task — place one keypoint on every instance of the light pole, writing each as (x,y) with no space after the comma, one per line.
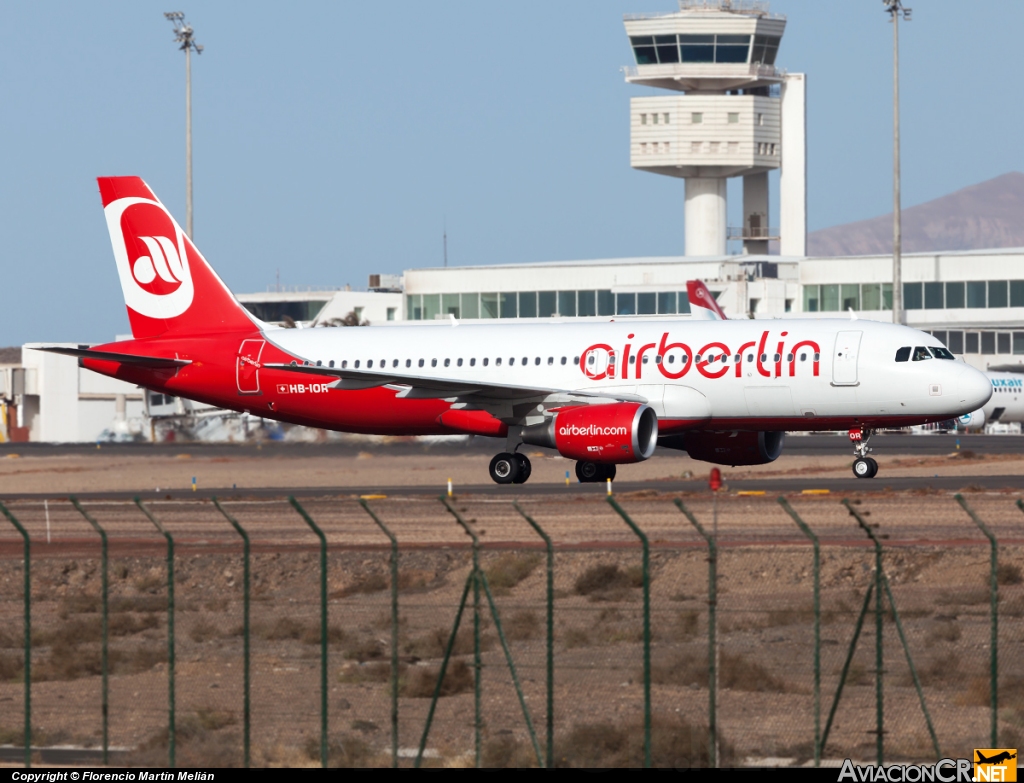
(183,35)
(895,10)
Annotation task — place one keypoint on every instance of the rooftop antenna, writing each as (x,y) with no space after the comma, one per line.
(896,10)
(183,35)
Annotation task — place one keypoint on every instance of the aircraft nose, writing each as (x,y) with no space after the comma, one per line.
(973,389)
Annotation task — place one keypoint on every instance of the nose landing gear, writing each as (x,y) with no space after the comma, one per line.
(510,468)
(863,465)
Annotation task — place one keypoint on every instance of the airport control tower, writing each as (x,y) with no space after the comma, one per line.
(733,114)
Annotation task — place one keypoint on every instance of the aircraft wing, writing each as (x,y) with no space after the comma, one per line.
(109,356)
(420,387)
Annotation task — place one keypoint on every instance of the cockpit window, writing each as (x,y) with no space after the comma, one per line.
(942,353)
(903,354)
(921,353)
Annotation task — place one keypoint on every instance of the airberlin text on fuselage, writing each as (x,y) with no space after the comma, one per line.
(712,360)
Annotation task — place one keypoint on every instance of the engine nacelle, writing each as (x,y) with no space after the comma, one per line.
(729,448)
(972,421)
(614,433)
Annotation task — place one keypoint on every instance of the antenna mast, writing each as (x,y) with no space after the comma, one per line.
(183,35)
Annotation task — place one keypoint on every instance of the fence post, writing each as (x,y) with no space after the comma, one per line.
(994,611)
(28,636)
(712,634)
(323,626)
(551,634)
(171,729)
(246,704)
(817,625)
(879,704)
(104,600)
(394,630)
(646,572)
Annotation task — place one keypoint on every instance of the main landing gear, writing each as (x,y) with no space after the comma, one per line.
(594,472)
(510,468)
(863,466)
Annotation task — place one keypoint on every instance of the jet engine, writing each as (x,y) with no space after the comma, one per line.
(729,448)
(972,421)
(613,433)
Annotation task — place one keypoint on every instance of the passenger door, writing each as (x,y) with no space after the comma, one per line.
(844,359)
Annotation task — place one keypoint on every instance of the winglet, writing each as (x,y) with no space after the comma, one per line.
(702,302)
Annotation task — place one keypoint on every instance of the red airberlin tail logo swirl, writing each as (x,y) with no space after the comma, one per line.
(152,257)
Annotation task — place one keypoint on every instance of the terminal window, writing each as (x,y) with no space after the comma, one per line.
(734,117)
(697,117)
(546,304)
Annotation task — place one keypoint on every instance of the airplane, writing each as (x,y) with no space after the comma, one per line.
(1004,756)
(603,393)
(1005,406)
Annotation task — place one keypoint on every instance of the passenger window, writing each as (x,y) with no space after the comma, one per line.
(551,360)
(408,362)
(903,354)
(511,361)
(331,363)
(803,357)
(525,361)
(645,360)
(563,360)
(817,356)
(750,357)
(698,358)
(776,358)
(632,360)
(764,357)
(485,362)
(921,353)
(421,362)
(575,360)
(497,362)
(433,362)
(447,362)
(942,353)
(536,361)
(472,362)
(369,364)
(357,364)
(789,357)
(344,364)
(671,359)
(657,359)
(459,362)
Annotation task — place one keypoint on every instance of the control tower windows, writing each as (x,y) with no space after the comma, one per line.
(734,117)
(765,49)
(697,117)
(668,50)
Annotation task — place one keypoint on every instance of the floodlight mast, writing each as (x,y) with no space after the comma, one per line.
(896,10)
(183,34)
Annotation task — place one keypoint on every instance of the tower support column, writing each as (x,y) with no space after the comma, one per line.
(793,176)
(705,216)
(755,213)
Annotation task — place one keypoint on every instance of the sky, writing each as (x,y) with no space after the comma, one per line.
(335,140)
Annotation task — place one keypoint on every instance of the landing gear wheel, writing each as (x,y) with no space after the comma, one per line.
(865,467)
(525,469)
(589,472)
(504,468)
(609,472)
(874,467)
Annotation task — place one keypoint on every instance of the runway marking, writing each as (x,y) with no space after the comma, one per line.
(816,492)
(750,492)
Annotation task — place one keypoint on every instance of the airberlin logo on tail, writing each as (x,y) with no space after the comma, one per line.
(152,257)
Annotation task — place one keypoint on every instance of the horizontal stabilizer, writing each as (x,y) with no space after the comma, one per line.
(123,358)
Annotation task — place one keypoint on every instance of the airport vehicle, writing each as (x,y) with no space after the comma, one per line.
(1006,405)
(602,393)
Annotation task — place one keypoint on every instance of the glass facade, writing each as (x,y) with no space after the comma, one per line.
(545,304)
(667,49)
(916,296)
(983,342)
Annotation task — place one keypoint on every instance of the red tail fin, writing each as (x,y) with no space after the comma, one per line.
(703,303)
(167,284)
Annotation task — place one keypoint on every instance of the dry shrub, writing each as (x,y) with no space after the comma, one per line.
(608,581)
(373,582)
(137,659)
(138,603)
(69,634)
(281,629)
(943,631)
(507,752)
(345,751)
(378,671)
(735,672)
(68,662)
(126,624)
(964,597)
(12,668)
(422,681)
(335,634)
(203,631)
(576,637)
(432,644)
(78,604)
(217,604)
(151,582)
(364,649)
(198,743)
(936,671)
(675,744)
(510,569)
(1008,574)
(977,694)
(213,720)
(522,625)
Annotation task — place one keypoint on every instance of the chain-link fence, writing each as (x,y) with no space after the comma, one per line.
(641,629)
